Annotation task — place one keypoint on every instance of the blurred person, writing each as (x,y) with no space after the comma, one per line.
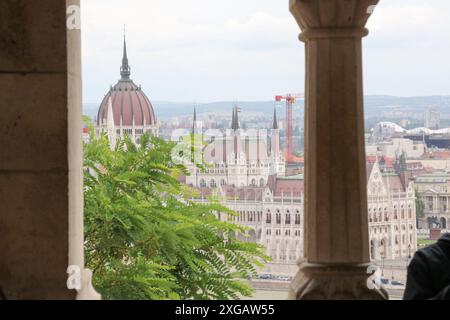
(429,272)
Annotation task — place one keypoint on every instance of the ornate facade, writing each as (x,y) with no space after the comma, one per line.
(392,214)
(434,190)
(238,157)
(273,209)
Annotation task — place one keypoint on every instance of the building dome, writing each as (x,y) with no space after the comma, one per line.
(129,102)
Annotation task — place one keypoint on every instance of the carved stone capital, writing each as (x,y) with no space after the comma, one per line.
(332,14)
(335,282)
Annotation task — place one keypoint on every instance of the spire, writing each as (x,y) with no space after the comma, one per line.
(125,69)
(235,119)
(275,120)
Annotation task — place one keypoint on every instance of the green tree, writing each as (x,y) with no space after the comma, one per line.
(146,239)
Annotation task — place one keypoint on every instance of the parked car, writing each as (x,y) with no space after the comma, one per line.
(397,283)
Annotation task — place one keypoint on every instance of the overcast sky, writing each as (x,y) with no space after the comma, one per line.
(211,50)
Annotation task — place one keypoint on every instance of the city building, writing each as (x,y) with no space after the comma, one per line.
(271,203)
(434,190)
(394,147)
(392,212)
(126,109)
(238,157)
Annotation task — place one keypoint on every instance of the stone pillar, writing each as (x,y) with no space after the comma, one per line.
(41,215)
(336,231)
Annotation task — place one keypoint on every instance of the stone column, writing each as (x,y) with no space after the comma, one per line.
(336,231)
(41,215)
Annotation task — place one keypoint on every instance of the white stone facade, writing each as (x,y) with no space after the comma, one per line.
(274,215)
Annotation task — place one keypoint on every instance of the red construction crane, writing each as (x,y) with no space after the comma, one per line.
(290,101)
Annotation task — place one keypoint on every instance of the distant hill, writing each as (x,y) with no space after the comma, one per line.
(374,105)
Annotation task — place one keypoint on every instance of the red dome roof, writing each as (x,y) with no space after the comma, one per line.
(128,101)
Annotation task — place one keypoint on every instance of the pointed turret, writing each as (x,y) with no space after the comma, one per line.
(275,120)
(235,119)
(125,70)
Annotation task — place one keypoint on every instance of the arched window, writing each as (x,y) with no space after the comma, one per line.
(213,184)
(278,218)
(203,183)
(288,218)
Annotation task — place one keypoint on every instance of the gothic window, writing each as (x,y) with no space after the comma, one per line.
(268,218)
(278,218)
(297,219)
(288,219)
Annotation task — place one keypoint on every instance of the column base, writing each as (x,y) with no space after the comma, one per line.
(335,282)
